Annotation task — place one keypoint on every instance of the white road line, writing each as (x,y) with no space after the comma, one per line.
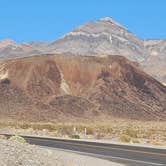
(99,155)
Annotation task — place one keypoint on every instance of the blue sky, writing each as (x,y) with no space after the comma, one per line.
(46,20)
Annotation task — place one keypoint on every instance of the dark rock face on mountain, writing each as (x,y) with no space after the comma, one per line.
(58,86)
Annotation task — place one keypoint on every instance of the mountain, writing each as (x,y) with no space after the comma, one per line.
(60,87)
(95,38)
(108,37)
(156,61)
(10,49)
(104,36)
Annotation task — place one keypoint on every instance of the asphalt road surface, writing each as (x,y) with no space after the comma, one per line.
(125,154)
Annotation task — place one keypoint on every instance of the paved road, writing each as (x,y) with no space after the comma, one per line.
(128,155)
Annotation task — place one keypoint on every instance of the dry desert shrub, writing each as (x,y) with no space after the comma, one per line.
(134,140)
(125,138)
(2,137)
(131,132)
(17,139)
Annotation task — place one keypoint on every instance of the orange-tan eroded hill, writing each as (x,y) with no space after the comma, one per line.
(57,87)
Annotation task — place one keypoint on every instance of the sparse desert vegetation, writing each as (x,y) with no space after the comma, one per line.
(116,130)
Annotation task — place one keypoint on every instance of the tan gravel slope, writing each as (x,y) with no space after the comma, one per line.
(22,154)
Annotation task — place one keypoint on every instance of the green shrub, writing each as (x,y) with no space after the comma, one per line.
(17,139)
(75,136)
(125,138)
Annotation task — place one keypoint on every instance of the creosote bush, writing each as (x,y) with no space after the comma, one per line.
(17,139)
(75,136)
(131,132)
(134,140)
(125,138)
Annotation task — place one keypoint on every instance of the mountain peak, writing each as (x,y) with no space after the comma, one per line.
(110,20)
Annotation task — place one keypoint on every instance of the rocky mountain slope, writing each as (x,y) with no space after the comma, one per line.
(108,37)
(156,61)
(58,87)
(104,36)
(10,49)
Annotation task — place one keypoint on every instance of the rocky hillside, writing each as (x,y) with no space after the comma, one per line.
(10,49)
(104,36)
(156,62)
(62,87)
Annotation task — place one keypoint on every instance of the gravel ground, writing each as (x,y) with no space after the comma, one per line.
(23,154)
